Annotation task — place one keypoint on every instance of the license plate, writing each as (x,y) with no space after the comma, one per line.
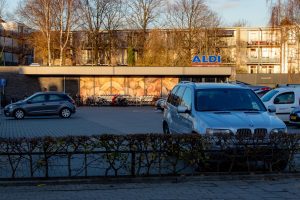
(293,117)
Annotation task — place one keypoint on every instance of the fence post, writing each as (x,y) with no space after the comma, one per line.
(133,163)
(85,165)
(69,165)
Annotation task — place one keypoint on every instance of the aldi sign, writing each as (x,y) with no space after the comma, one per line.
(206,60)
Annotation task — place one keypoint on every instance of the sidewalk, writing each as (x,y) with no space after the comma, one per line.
(264,188)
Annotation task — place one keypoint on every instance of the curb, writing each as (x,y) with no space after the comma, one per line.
(149,180)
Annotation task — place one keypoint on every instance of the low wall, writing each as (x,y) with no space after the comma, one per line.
(20,85)
(269,79)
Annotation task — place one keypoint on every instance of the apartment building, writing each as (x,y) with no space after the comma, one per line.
(270,50)
(14,44)
(250,50)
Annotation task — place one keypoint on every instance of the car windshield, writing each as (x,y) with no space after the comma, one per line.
(228,99)
(30,97)
(269,95)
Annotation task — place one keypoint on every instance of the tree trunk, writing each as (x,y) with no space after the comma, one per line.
(49,49)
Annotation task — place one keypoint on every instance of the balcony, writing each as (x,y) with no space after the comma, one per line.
(264,43)
(263,60)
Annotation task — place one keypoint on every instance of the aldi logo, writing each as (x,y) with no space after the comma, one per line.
(206,60)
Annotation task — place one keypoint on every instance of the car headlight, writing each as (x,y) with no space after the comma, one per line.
(8,107)
(211,131)
(279,130)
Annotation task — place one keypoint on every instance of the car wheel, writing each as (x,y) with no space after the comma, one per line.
(65,113)
(19,114)
(166,129)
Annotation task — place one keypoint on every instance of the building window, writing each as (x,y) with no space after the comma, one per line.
(265,53)
(267,70)
(292,37)
(253,37)
(253,53)
(253,69)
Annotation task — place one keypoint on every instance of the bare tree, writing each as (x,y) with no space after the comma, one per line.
(284,12)
(39,15)
(141,15)
(66,18)
(3,5)
(193,22)
(286,15)
(113,20)
(93,14)
(240,23)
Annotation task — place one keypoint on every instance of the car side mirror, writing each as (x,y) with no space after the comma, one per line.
(183,109)
(276,100)
(271,109)
(29,102)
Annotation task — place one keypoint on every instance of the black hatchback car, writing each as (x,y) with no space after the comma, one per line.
(42,103)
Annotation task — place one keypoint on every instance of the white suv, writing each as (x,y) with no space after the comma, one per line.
(206,108)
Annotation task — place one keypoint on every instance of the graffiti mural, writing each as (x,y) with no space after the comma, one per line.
(136,86)
(102,86)
(167,84)
(133,86)
(118,85)
(86,86)
(153,86)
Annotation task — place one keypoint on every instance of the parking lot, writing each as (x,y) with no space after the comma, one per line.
(90,121)
(87,121)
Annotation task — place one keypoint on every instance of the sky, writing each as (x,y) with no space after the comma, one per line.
(255,12)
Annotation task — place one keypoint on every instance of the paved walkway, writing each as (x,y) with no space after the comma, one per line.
(226,189)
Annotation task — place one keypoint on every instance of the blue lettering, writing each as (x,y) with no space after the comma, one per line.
(207,59)
(212,59)
(196,59)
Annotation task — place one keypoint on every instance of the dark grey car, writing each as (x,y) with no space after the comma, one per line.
(42,103)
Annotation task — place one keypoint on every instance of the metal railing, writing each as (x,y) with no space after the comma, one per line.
(109,100)
(146,155)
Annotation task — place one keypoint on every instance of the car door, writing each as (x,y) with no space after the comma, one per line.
(285,102)
(185,124)
(35,105)
(176,102)
(170,110)
(54,102)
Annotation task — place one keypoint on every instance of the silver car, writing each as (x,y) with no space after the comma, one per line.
(42,103)
(218,108)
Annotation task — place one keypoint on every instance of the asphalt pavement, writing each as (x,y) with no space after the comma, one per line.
(86,121)
(90,121)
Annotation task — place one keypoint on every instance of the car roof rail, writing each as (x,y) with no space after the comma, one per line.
(185,82)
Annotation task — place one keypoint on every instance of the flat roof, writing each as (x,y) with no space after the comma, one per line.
(126,71)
